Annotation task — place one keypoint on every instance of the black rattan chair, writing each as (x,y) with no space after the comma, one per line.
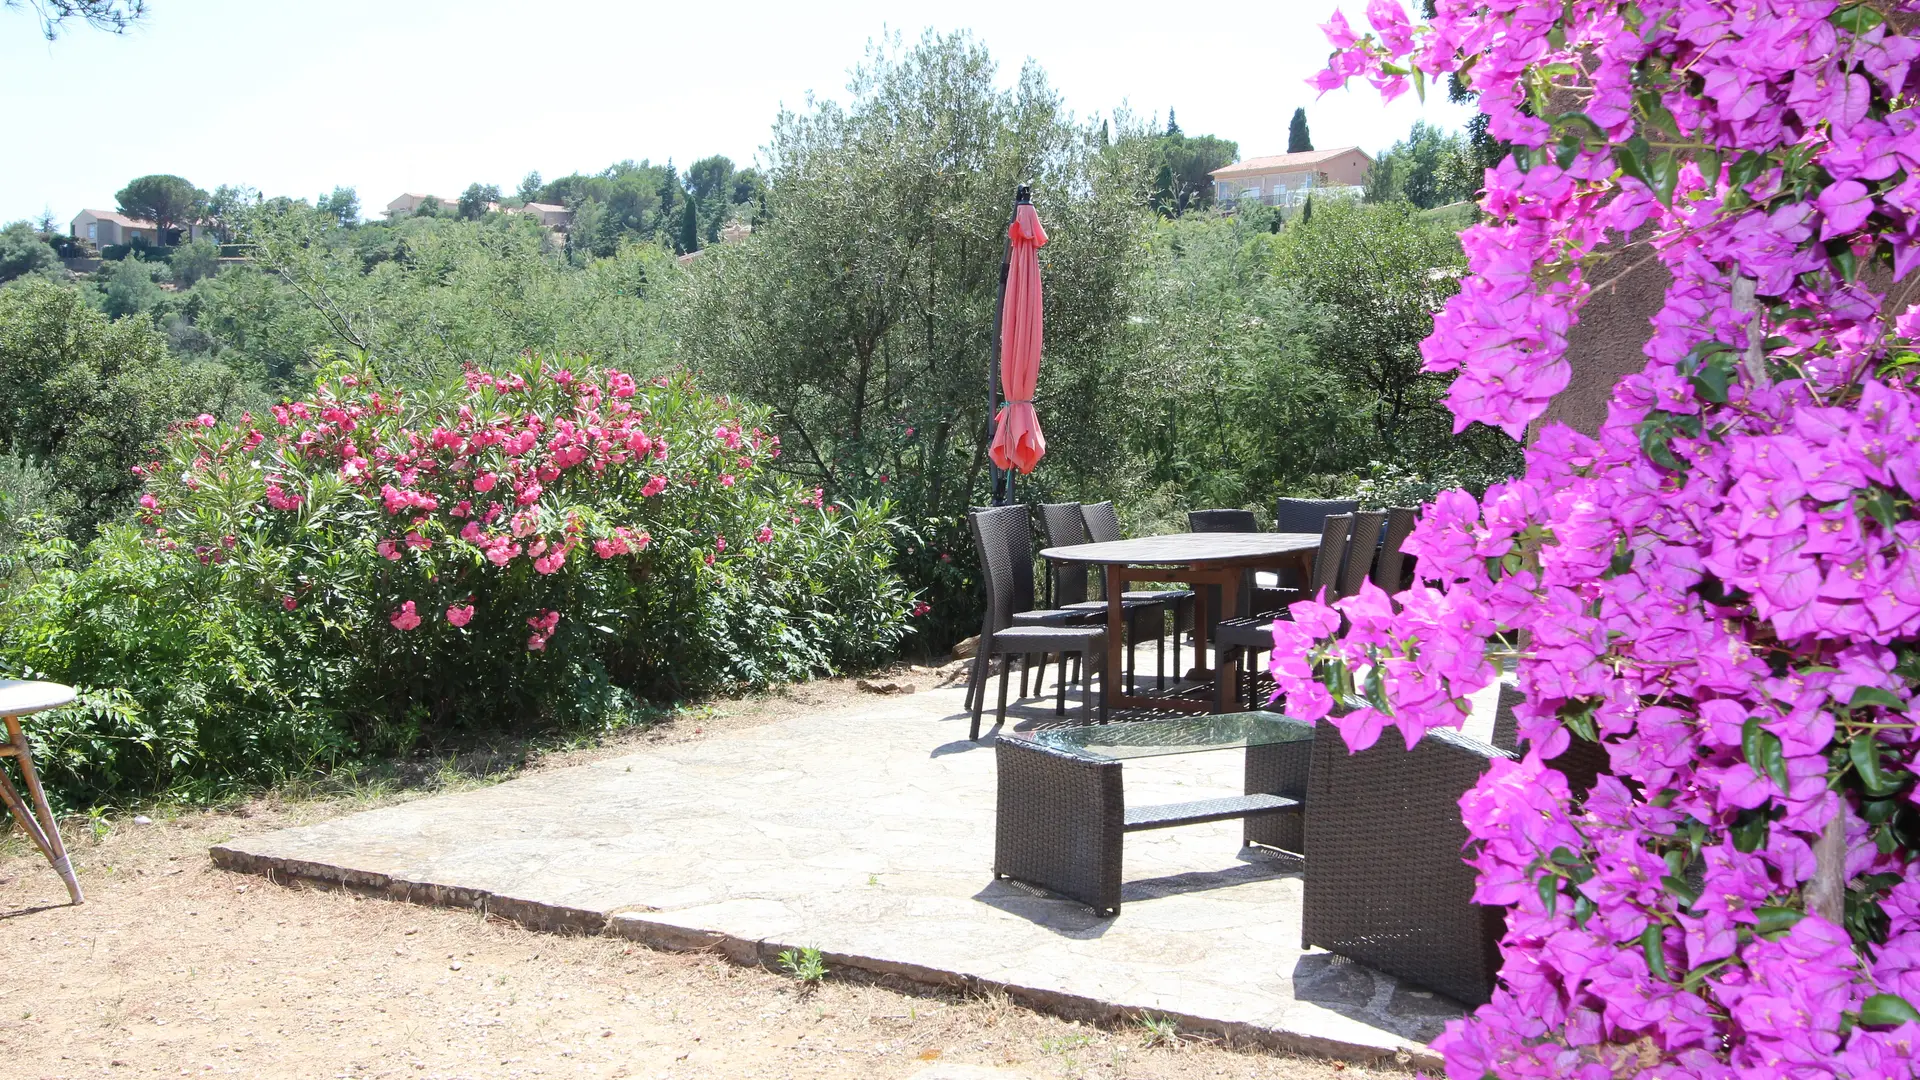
(1301,516)
(1103,526)
(1218,521)
(1246,636)
(1390,569)
(1305,515)
(1003,536)
(1063,525)
(1362,545)
(1208,521)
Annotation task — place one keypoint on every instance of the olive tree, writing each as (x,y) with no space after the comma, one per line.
(862,310)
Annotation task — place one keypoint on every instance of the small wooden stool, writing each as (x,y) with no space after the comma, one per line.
(18,699)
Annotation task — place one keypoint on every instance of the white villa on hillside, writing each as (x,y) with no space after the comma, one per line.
(550,215)
(1287,179)
(410,202)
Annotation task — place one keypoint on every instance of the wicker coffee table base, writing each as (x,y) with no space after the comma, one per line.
(1062,818)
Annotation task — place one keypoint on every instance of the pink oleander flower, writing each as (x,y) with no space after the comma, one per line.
(543,626)
(289,603)
(654,486)
(459,614)
(205,420)
(765,536)
(406,618)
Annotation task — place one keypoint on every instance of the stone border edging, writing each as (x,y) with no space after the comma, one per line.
(656,930)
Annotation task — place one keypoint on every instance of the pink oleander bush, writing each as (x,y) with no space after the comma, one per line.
(366,568)
(1722,586)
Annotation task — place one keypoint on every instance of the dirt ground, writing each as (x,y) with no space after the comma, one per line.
(175,968)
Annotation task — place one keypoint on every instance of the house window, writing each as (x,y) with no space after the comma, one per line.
(93,231)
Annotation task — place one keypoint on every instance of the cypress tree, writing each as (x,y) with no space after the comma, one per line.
(1298,141)
(689,238)
(1173,126)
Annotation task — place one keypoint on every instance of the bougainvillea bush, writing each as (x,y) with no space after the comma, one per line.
(1721,585)
(366,567)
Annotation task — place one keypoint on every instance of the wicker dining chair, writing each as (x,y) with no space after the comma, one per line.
(1027,613)
(1245,637)
(1219,521)
(1063,525)
(1103,526)
(1362,545)
(1215,521)
(1003,535)
(1305,515)
(1301,516)
(1390,569)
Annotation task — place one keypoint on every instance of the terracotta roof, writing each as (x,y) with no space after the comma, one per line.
(1286,162)
(545,207)
(119,219)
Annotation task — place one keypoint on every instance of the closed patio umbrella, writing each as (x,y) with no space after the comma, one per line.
(1017,442)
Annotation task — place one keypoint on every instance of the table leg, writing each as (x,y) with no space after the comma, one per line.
(1116,639)
(45,831)
(1226,667)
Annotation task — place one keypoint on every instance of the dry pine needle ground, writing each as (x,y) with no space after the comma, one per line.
(175,968)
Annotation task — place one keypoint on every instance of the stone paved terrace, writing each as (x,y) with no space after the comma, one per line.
(867,832)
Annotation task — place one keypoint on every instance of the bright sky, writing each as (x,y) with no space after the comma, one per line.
(431,95)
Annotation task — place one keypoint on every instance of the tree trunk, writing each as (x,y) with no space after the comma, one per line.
(1826,894)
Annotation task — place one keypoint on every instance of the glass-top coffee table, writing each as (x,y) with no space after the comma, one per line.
(1062,812)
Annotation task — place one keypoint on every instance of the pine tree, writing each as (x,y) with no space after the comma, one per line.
(1298,141)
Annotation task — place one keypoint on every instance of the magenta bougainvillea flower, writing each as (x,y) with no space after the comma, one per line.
(1721,585)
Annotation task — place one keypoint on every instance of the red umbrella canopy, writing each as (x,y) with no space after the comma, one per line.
(1017,442)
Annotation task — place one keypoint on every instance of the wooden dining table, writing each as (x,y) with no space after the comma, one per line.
(1221,559)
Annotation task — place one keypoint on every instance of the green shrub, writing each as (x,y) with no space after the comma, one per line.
(372,568)
(91,398)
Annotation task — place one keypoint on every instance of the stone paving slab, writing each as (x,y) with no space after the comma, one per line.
(867,833)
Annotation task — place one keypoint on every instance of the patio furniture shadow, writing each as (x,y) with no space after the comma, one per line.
(1023,717)
(1071,918)
(1360,993)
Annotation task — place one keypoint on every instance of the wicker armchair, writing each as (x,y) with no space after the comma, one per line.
(1254,634)
(1386,884)
(1004,538)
